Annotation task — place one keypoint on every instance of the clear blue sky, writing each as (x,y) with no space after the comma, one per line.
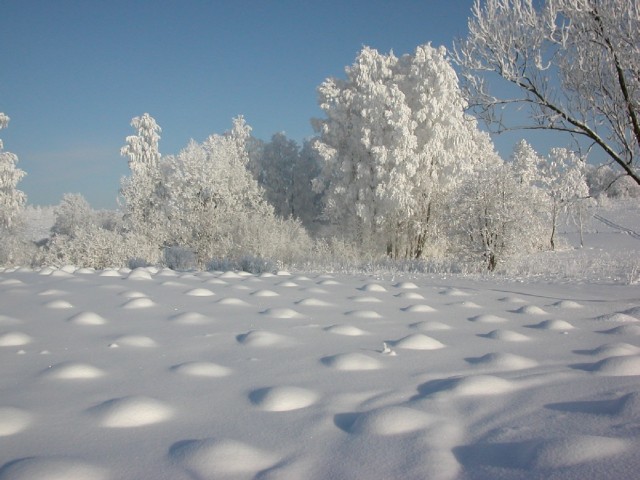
(74,72)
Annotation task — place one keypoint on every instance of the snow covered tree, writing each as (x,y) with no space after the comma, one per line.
(285,172)
(563,179)
(144,191)
(573,62)
(12,200)
(278,164)
(395,141)
(498,216)
(72,215)
(211,193)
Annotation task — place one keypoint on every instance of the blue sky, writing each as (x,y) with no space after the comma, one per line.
(74,72)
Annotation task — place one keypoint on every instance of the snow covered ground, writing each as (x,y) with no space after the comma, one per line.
(154,374)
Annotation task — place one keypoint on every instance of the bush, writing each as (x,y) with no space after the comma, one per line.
(247,263)
(180,258)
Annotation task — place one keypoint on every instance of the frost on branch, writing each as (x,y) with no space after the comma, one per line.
(574,64)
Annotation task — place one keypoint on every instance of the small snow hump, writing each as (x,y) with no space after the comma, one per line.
(51,468)
(87,318)
(201,369)
(133,411)
(14,339)
(351,362)
(13,420)
(391,420)
(218,458)
(73,371)
(282,399)
(418,341)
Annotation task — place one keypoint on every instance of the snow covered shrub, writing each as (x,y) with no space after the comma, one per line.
(497,216)
(248,263)
(604,181)
(179,258)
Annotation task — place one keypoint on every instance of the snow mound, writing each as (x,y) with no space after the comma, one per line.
(313,302)
(616,350)
(109,272)
(454,292)
(142,302)
(11,282)
(419,308)
(347,330)
(87,318)
(139,274)
(503,361)
(511,299)
(466,304)
(288,284)
(73,371)
(265,293)
(617,317)
(14,339)
(418,341)
(391,421)
(328,281)
(554,325)
(262,338)
(365,299)
(132,294)
(199,292)
(133,411)
(530,310)
(216,281)
(363,314)
(282,399)
(191,318)
(202,369)
(281,312)
(618,366)
(212,458)
(51,468)
(6,320)
(488,318)
(410,296)
(352,362)
(406,285)
(568,304)
(477,385)
(233,301)
(568,451)
(138,341)
(230,275)
(624,330)
(58,304)
(52,292)
(373,287)
(13,420)
(430,326)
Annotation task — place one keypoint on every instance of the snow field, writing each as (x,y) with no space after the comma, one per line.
(150,373)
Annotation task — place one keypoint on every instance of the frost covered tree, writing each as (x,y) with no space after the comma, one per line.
(573,62)
(12,200)
(394,143)
(144,191)
(498,215)
(285,172)
(213,196)
(278,165)
(563,179)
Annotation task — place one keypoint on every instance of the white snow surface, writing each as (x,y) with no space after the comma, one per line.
(114,374)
